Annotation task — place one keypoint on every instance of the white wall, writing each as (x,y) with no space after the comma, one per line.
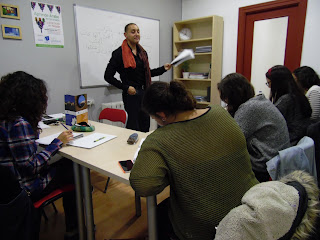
(59,67)
(229,10)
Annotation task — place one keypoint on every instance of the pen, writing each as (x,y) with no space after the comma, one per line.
(64,126)
(99,139)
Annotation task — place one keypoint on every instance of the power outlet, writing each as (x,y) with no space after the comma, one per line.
(90,102)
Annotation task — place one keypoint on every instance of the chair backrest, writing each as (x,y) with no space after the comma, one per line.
(299,157)
(114,115)
(53,196)
(313,131)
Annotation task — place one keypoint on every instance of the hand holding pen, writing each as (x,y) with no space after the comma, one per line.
(65,136)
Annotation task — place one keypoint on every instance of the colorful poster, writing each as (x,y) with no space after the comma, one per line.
(47,25)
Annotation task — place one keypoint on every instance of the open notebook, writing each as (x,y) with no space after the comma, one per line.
(89,141)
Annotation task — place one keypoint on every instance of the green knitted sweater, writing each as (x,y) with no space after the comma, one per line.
(206,163)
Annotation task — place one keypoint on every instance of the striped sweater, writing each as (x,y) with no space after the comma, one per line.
(313,95)
(206,163)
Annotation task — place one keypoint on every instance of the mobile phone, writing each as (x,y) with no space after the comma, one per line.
(126,165)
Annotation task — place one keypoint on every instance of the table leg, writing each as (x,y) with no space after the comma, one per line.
(138,205)
(77,183)
(152,217)
(88,202)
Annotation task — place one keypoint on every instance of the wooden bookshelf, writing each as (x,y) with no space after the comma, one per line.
(206,31)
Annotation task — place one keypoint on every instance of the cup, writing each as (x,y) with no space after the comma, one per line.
(185,74)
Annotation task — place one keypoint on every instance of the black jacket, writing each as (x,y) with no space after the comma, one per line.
(127,75)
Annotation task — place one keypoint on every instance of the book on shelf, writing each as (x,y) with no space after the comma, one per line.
(198,75)
(203,49)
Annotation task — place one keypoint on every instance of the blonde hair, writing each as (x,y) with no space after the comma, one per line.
(307,225)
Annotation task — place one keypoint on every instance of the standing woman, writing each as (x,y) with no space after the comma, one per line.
(200,153)
(23,101)
(289,98)
(309,80)
(130,60)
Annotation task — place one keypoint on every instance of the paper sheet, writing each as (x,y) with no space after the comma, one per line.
(89,141)
(185,55)
(47,140)
(92,140)
(42,125)
(136,154)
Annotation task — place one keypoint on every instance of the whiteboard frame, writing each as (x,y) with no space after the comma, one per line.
(77,42)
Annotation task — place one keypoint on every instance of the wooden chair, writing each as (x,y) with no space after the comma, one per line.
(113,115)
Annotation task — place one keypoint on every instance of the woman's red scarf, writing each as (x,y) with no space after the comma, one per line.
(128,59)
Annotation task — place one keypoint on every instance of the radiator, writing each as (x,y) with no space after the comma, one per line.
(119,105)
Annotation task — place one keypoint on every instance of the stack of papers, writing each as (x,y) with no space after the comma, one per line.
(185,55)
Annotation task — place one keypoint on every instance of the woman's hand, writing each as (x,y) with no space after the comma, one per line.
(167,66)
(132,91)
(66,136)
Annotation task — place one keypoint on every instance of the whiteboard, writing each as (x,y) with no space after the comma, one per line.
(100,32)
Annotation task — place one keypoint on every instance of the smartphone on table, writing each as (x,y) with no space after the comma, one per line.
(126,165)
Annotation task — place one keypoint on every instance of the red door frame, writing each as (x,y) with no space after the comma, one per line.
(296,12)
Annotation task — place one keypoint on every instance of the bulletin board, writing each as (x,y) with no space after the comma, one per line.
(100,32)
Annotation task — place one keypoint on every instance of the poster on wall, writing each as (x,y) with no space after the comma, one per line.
(47,25)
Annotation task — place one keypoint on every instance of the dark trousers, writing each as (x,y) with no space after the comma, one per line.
(137,119)
(63,176)
(165,230)
(262,176)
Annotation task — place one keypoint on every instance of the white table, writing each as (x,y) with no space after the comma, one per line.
(103,159)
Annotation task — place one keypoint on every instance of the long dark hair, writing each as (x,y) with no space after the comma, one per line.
(170,98)
(23,95)
(282,82)
(306,77)
(235,89)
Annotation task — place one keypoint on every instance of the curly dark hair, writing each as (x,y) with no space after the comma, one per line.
(23,95)
(282,82)
(235,89)
(306,77)
(170,98)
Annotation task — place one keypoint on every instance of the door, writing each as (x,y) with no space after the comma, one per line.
(269,34)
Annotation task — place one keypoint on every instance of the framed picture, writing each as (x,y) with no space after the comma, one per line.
(13,32)
(9,11)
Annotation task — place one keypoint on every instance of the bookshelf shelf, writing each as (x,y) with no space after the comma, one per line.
(206,31)
(194,79)
(199,54)
(194,40)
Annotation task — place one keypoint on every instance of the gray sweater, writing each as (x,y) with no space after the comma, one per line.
(265,130)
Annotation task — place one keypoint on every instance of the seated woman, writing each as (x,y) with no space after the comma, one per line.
(23,101)
(284,209)
(289,98)
(309,80)
(200,153)
(264,127)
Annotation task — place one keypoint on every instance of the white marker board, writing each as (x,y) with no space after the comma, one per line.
(100,32)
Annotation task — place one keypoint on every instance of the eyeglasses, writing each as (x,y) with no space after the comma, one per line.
(268,84)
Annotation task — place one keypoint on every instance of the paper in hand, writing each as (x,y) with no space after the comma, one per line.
(185,55)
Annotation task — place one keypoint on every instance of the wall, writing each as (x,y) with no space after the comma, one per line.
(59,67)
(229,10)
